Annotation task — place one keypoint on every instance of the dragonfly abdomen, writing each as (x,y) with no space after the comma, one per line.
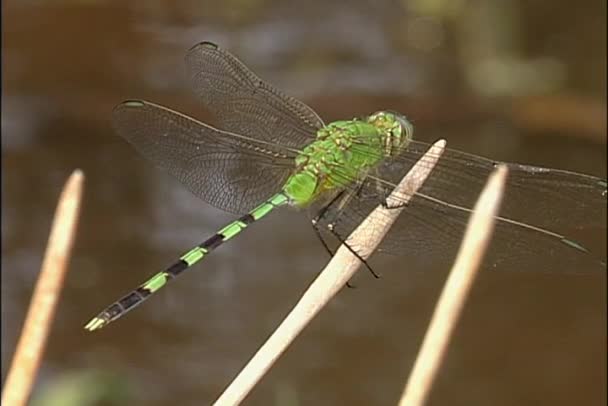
(141,293)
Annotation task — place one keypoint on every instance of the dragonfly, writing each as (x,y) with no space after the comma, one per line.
(270,150)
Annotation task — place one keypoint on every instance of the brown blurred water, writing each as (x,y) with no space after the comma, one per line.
(516,81)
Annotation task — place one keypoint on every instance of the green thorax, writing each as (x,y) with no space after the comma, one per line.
(343,152)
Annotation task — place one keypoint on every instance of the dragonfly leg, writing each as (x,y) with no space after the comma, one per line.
(330,227)
(322,213)
(315,226)
(384,193)
(317,229)
(340,200)
(324,243)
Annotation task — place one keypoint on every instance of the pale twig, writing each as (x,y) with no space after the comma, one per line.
(451,301)
(338,271)
(30,347)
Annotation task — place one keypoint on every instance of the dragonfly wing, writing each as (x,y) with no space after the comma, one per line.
(567,206)
(428,234)
(226,170)
(245,104)
(548,198)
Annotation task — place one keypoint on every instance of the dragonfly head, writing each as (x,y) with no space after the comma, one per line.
(396,130)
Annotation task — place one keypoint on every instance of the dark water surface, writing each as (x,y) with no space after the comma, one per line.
(524,82)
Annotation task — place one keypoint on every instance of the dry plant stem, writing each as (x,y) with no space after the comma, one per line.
(338,271)
(451,301)
(28,354)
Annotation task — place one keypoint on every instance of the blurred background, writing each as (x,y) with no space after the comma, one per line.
(519,81)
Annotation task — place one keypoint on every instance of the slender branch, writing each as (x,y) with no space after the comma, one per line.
(24,367)
(451,301)
(338,271)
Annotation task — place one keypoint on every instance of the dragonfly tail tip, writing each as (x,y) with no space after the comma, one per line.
(95,324)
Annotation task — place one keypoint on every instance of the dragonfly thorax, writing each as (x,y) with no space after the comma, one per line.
(343,153)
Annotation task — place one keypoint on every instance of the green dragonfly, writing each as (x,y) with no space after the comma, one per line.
(272,150)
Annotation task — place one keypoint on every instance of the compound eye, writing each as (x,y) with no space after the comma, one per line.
(406,126)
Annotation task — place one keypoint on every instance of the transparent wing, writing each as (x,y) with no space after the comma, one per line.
(226,170)
(543,213)
(245,104)
(548,198)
